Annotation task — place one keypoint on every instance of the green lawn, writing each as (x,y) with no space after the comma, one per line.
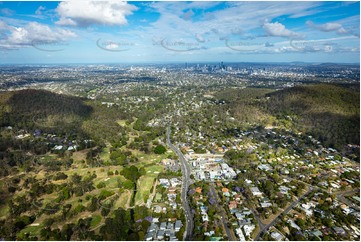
(105,155)
(145,183)
(32,230)
(122,123)
(111,181)
(4,210)
(154,169)
(96,219)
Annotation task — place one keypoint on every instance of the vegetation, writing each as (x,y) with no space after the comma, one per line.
(65,158)
(160,149)
(329,112)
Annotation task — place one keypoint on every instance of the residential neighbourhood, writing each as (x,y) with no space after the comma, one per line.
(291,185)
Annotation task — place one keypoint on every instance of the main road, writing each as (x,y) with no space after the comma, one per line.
(185,184)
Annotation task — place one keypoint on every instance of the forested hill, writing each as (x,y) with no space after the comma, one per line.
(45,102)
(27,108)
(330,113)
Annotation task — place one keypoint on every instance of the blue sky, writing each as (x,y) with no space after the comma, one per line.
(160,32)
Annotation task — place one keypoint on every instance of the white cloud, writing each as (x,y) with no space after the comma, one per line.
(66,22)
(342,31)
(329,27)
(33,33)
(40,10)
(323,45)
(236,18)
(84,13)
(278,29)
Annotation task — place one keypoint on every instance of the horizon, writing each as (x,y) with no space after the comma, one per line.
(182,63)
(143,32)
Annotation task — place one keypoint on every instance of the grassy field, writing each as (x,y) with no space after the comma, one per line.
(123,200)
(150,162)
(122,123)
(79,155)
(96,219)
(152,166)
(4,211)
(145,183)
(32,230)
(105,155)
(101,172)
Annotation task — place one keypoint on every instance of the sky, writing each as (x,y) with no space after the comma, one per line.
(161,32)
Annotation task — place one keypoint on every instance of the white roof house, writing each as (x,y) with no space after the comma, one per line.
(255,191)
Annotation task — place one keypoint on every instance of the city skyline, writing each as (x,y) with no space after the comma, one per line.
(161,32)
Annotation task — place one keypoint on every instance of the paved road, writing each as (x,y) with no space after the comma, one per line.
(259,221)
(275,220)
(185,184)
(341,196)
(222,213)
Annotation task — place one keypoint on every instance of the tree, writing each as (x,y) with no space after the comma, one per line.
(67,231)
(101,185)
(105,211)
(65,210)
(117,227)
(159,149)
(93,204)
(76,179)
(131,173)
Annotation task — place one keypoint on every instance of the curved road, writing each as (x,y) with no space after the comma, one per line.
(185,184)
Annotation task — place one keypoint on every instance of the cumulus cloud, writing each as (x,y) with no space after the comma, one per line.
(84,13)
(328,27)
(279,30)
(33,33)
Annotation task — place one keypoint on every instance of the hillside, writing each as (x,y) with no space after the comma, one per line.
(329,112)
(41,109)
(69,168)
(246,105)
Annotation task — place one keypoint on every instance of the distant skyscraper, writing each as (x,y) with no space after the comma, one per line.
(221,66)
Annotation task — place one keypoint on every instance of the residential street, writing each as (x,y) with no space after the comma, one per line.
(222,213)
(274,221)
